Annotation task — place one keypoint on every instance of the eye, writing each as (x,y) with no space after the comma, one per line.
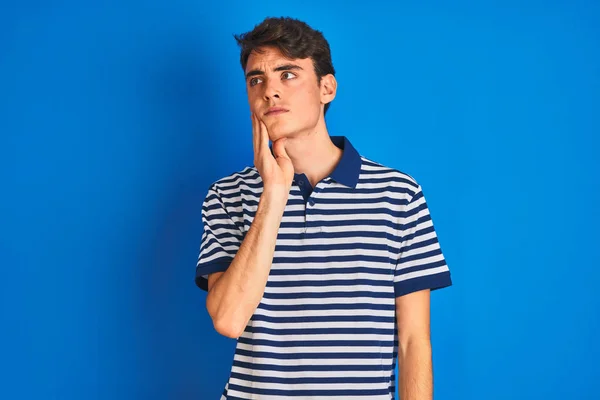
(288,72)
(253,81)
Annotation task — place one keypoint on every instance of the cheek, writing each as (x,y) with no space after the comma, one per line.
(253,101)
(307,99)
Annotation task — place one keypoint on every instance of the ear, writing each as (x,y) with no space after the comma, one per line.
(328,88)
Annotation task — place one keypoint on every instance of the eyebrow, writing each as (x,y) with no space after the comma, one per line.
(285,67)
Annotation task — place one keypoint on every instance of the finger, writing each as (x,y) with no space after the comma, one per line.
(264,139)
(279,149)
(258,139)
(255,143)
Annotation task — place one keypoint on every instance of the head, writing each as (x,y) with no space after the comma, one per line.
(287,64)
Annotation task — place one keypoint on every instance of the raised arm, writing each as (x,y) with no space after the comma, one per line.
(235,293)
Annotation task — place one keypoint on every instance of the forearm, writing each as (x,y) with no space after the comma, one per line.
(236,294)
(415,371)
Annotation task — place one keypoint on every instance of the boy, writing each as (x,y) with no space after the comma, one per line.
(319,261)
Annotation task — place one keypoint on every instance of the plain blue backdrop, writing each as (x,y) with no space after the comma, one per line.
(115,117)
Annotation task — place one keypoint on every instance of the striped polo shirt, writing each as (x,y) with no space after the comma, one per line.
(325,327)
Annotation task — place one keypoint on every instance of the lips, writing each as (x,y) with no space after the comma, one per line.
(275,111)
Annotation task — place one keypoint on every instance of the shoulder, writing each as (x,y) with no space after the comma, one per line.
(376,172)
(246,179)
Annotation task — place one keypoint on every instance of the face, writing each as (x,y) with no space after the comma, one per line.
(275,81)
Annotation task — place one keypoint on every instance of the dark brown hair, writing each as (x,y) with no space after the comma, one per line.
(294,38)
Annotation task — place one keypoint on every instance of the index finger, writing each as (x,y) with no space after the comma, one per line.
(255,138)
(263,138)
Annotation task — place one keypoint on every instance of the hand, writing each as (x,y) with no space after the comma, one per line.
(276,172)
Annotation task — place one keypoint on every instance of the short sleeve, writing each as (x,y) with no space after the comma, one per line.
(221,238)
(421,264)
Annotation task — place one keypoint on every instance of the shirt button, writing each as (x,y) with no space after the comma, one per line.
(301,183)
(311,202)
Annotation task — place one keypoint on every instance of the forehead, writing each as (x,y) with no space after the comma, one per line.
(270,57)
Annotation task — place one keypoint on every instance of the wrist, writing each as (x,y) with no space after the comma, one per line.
(276,195)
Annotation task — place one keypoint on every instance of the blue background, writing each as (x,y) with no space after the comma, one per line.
(115,118)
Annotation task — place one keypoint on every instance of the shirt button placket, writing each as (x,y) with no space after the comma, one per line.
(302,192)
(310,220)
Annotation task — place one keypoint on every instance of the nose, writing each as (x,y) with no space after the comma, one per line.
(272,90)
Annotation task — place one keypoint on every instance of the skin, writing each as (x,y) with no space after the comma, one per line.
(301,144)
(302,129)
(414,346)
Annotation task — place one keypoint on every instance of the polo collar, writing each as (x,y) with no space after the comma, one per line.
(347,171)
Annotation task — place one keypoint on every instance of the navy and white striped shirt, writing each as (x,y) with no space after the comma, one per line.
(325,327)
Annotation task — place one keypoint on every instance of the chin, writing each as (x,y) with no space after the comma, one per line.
(278,131)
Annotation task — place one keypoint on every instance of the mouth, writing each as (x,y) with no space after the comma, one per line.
(275,112)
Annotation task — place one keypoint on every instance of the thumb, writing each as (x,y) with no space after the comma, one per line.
(279,148)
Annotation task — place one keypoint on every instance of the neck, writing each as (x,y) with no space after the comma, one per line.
(313,153)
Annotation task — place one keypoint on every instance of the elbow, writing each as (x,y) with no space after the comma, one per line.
(223,325)
(228,328)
